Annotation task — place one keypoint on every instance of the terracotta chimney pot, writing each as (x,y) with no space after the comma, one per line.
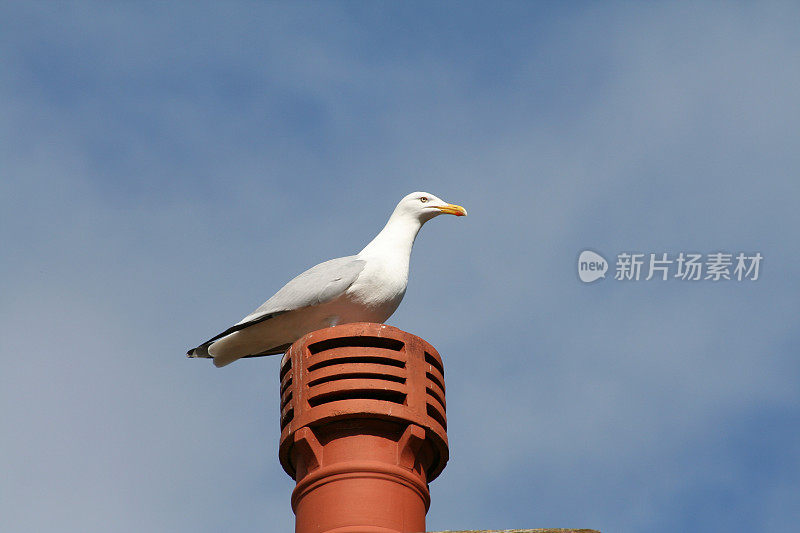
(363,428)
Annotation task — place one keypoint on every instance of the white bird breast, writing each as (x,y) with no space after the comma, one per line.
(378,290)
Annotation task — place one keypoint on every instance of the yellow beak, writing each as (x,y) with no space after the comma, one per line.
(452,209)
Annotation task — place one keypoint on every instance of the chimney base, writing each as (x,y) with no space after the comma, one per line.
(367,481)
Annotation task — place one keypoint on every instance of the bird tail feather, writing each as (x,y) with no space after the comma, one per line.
(223,360)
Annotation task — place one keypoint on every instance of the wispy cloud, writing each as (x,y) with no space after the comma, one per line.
(165,169)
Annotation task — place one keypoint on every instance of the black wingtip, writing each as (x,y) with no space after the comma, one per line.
(193,353)
(198,353)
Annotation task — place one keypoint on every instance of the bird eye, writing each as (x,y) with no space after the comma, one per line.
(423,199)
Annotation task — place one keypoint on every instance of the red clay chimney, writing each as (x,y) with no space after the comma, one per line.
(363,429)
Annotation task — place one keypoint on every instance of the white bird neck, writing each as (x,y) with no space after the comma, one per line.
(395,239)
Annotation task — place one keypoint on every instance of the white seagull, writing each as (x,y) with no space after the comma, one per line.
(366,287)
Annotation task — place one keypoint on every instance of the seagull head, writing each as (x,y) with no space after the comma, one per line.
(411,213)
(423,206)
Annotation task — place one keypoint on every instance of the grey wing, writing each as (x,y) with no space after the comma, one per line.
(316,285)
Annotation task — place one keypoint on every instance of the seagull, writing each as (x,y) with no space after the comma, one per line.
(366,287)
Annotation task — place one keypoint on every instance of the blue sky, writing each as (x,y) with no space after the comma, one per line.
(166,168)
